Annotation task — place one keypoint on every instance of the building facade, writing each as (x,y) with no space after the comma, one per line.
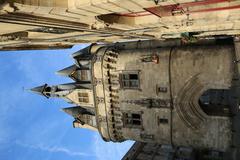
(53,24)
(177,100)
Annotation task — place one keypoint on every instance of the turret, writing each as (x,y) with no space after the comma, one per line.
(84,118)
(51,91)
(81,70)
(76,73)
(83,57)
(39,90)
(75,111)
(67,71)
(78,93)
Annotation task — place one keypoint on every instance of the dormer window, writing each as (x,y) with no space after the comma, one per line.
(48,89)
(83,97)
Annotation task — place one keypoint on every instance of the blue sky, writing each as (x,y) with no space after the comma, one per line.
(32,126)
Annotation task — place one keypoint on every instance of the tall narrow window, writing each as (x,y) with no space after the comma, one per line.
(80,75)
(130,80)
(132,119)
(83,97)
(84,75)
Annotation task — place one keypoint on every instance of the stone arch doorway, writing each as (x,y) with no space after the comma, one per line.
(215,102)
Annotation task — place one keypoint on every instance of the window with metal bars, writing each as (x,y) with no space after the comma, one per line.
(83,97)
(132,120)
(130,80)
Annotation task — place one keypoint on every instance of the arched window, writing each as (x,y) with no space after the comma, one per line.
(215,102)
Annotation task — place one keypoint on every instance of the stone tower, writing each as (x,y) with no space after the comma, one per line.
(179,101)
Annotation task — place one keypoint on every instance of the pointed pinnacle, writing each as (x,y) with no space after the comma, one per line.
(67,110)
(67,71)
(76,111)
(38,90)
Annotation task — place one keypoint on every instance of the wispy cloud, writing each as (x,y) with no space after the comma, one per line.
(54,149)
(109,150)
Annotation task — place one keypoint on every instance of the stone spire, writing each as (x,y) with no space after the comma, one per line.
(76,111)
(67,71)
(39,90)
(76,73)
(83,118)
(53,91)
(83,56)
